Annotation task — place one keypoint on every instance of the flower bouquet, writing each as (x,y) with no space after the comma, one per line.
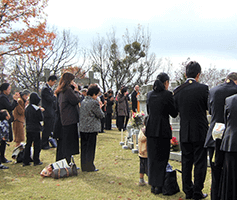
(137,120)
(174,144)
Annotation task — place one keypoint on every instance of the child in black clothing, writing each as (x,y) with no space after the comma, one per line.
(34,116)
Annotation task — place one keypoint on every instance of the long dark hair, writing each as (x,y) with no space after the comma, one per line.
(64,82)
(159,82)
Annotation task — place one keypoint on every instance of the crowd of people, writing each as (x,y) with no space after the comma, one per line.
(85,112)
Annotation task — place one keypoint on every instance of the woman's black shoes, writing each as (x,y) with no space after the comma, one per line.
(156,190)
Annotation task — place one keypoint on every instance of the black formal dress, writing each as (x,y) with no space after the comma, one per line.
(216,103)
(158,132)
(229,146)
(49,104)
(191,103)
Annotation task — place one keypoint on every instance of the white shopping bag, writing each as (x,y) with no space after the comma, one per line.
(218,130)
(60,164)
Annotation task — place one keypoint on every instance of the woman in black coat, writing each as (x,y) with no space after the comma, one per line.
(229,147)
(5,103)
(160,105)
(68,97)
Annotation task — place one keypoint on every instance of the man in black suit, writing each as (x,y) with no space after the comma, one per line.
(134,95)
(109,110)
(49,104)
(191,103)
(216,103)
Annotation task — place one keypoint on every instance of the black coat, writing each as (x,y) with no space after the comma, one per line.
(229,140)
(33,118)
(216,103)
(48,101)
(6,104)
(191,103)
(68,105)
(134,101)
(159,106)
(109,106)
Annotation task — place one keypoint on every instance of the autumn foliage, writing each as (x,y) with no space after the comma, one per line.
(77,71)
(23,27)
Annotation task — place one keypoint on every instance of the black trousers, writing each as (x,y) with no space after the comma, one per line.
(102,124)
(193,153)
(2,151)
(88,146)
(108,121)
(158,150)
(216,169)
(30,138)
(48,128)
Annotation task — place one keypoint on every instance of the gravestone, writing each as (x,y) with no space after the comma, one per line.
(87,81)
(46,75)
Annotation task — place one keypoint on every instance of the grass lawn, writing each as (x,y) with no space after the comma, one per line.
(117,178)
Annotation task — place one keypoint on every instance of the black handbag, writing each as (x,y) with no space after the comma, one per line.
(170,186)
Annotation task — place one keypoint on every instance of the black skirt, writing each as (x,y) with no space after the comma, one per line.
(158,155)
(229,176)
(70,140)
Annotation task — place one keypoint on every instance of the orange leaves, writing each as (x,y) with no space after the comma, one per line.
(17,32)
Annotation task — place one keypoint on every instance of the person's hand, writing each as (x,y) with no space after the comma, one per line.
(112,98)
(75,86)
(42,109)
(8,116)
(105,102)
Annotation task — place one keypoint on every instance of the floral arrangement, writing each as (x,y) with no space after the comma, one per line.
(137,119)
(174,144)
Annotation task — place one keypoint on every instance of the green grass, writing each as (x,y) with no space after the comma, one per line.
(117,179)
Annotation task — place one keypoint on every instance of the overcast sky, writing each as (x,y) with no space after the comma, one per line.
(205,31)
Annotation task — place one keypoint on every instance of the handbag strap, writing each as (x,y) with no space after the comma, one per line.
(67,171)
(59,173)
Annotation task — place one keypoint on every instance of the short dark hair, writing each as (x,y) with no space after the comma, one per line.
(110,91)
(52,78)
(93,89)
(232,76)
(124,90)
(192,69)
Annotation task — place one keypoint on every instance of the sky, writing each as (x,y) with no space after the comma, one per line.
(205,31)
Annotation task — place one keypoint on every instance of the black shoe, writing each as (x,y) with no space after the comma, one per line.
(203,197)
(6,161)
(40,163)
(3,167)
(95,170)
(156,190)
(46,147)
(26,164)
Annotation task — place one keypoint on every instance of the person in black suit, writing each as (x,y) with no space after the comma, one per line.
(109,110)
(191,103)
(229,146)
(160,104)
(134,95)
(216,103)
(49,104)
